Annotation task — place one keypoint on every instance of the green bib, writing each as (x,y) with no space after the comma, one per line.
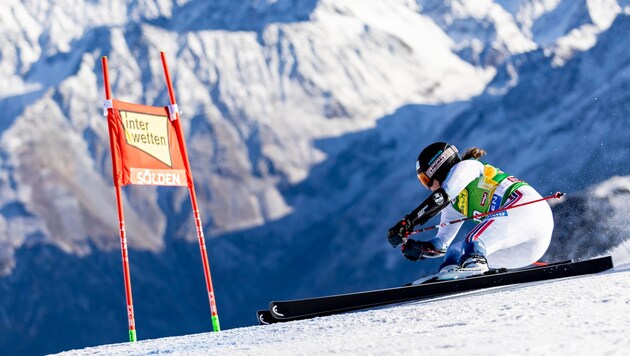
(484,193)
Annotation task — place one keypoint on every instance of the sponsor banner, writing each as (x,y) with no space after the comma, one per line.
(145,146)
(148,133)
(167,177)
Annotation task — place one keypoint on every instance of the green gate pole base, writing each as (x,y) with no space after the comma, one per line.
(215,323)
(132,336)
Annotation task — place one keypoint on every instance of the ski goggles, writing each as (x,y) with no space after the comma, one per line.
(425,180)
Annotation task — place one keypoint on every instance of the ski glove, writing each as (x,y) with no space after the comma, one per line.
(402,229)
(418,250)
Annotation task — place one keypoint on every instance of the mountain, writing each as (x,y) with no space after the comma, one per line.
(541,318)
(303,121)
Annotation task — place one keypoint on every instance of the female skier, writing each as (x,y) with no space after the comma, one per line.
(464,187)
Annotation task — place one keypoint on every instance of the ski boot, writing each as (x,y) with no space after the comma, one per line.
(449,265)
(472,263)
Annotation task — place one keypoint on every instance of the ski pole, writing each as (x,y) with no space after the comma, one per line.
(557,195)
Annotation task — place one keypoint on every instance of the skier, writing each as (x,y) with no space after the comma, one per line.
(464,187)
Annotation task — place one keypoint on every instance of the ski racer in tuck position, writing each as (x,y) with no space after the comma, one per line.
(465,187)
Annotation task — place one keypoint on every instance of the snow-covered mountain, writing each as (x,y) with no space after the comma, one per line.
(303,121)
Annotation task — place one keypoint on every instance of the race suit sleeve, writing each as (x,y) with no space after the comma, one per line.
(458,178)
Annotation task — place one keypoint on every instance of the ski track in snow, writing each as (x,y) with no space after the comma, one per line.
(577,316)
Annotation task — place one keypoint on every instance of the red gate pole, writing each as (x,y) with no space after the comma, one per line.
(121,218)
(193,199)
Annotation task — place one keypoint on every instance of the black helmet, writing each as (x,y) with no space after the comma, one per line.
(435,161)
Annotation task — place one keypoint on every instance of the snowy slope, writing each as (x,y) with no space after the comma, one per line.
(575,316)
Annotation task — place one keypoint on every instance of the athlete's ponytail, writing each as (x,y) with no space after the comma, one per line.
(474,153)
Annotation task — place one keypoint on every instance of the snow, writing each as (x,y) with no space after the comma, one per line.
(573,316)
(616,191)
(621,252)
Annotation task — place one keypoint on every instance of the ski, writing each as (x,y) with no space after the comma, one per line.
(328,305)
(265,318)
(499,270)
